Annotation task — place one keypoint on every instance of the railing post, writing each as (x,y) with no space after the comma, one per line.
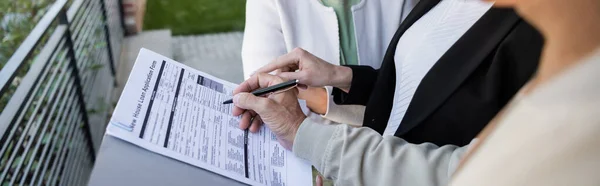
(78,86)
(122,14)
(107,37)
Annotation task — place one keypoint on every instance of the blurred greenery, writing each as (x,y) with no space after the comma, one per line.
(185,17)
(17,19)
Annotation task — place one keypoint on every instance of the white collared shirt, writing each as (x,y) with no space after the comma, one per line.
(424,43)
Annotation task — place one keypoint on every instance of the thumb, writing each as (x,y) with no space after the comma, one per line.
(249,101)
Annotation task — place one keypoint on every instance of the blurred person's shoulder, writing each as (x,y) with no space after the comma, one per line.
(577,88)
(547,137)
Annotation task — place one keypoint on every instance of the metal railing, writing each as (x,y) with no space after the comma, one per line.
(54,121)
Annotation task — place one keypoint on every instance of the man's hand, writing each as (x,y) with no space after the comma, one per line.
(312,71)
(280,112)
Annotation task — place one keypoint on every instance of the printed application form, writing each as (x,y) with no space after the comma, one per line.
(176,111)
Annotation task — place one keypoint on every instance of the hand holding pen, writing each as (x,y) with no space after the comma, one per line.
(282,87)
(280,112)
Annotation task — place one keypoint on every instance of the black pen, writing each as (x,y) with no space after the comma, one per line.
(264,91)
(246,152)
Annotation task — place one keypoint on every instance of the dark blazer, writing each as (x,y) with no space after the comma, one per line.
(463,91)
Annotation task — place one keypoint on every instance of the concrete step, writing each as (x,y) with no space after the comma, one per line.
(158,41)
(216,54)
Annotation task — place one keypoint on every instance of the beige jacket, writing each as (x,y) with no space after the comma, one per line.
(360,156)
(549,137)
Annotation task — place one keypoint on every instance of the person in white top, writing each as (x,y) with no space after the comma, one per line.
(343,32)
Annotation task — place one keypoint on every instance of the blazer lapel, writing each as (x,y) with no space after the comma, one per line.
(415,14)
(386,79)
(457,64)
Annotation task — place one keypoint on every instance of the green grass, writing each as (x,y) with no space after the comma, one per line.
(185,17)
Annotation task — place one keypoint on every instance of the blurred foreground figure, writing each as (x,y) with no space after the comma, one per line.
(550,134)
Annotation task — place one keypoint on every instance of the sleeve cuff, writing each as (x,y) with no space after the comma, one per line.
(348,114)
(330,103)
(312,142)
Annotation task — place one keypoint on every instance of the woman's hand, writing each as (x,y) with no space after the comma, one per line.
(316,99)
(310,70)
(280,112)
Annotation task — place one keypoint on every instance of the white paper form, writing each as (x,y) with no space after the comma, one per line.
(174,110)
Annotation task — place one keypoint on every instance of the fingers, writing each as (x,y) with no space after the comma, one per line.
(238,111)
(302,86)
(250,120)
(253,83)
(301,76)
(319,181)
(256,123)
(257,81)
(246,120)
(287,69)
(289,62)
(248,101)
(247,104)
